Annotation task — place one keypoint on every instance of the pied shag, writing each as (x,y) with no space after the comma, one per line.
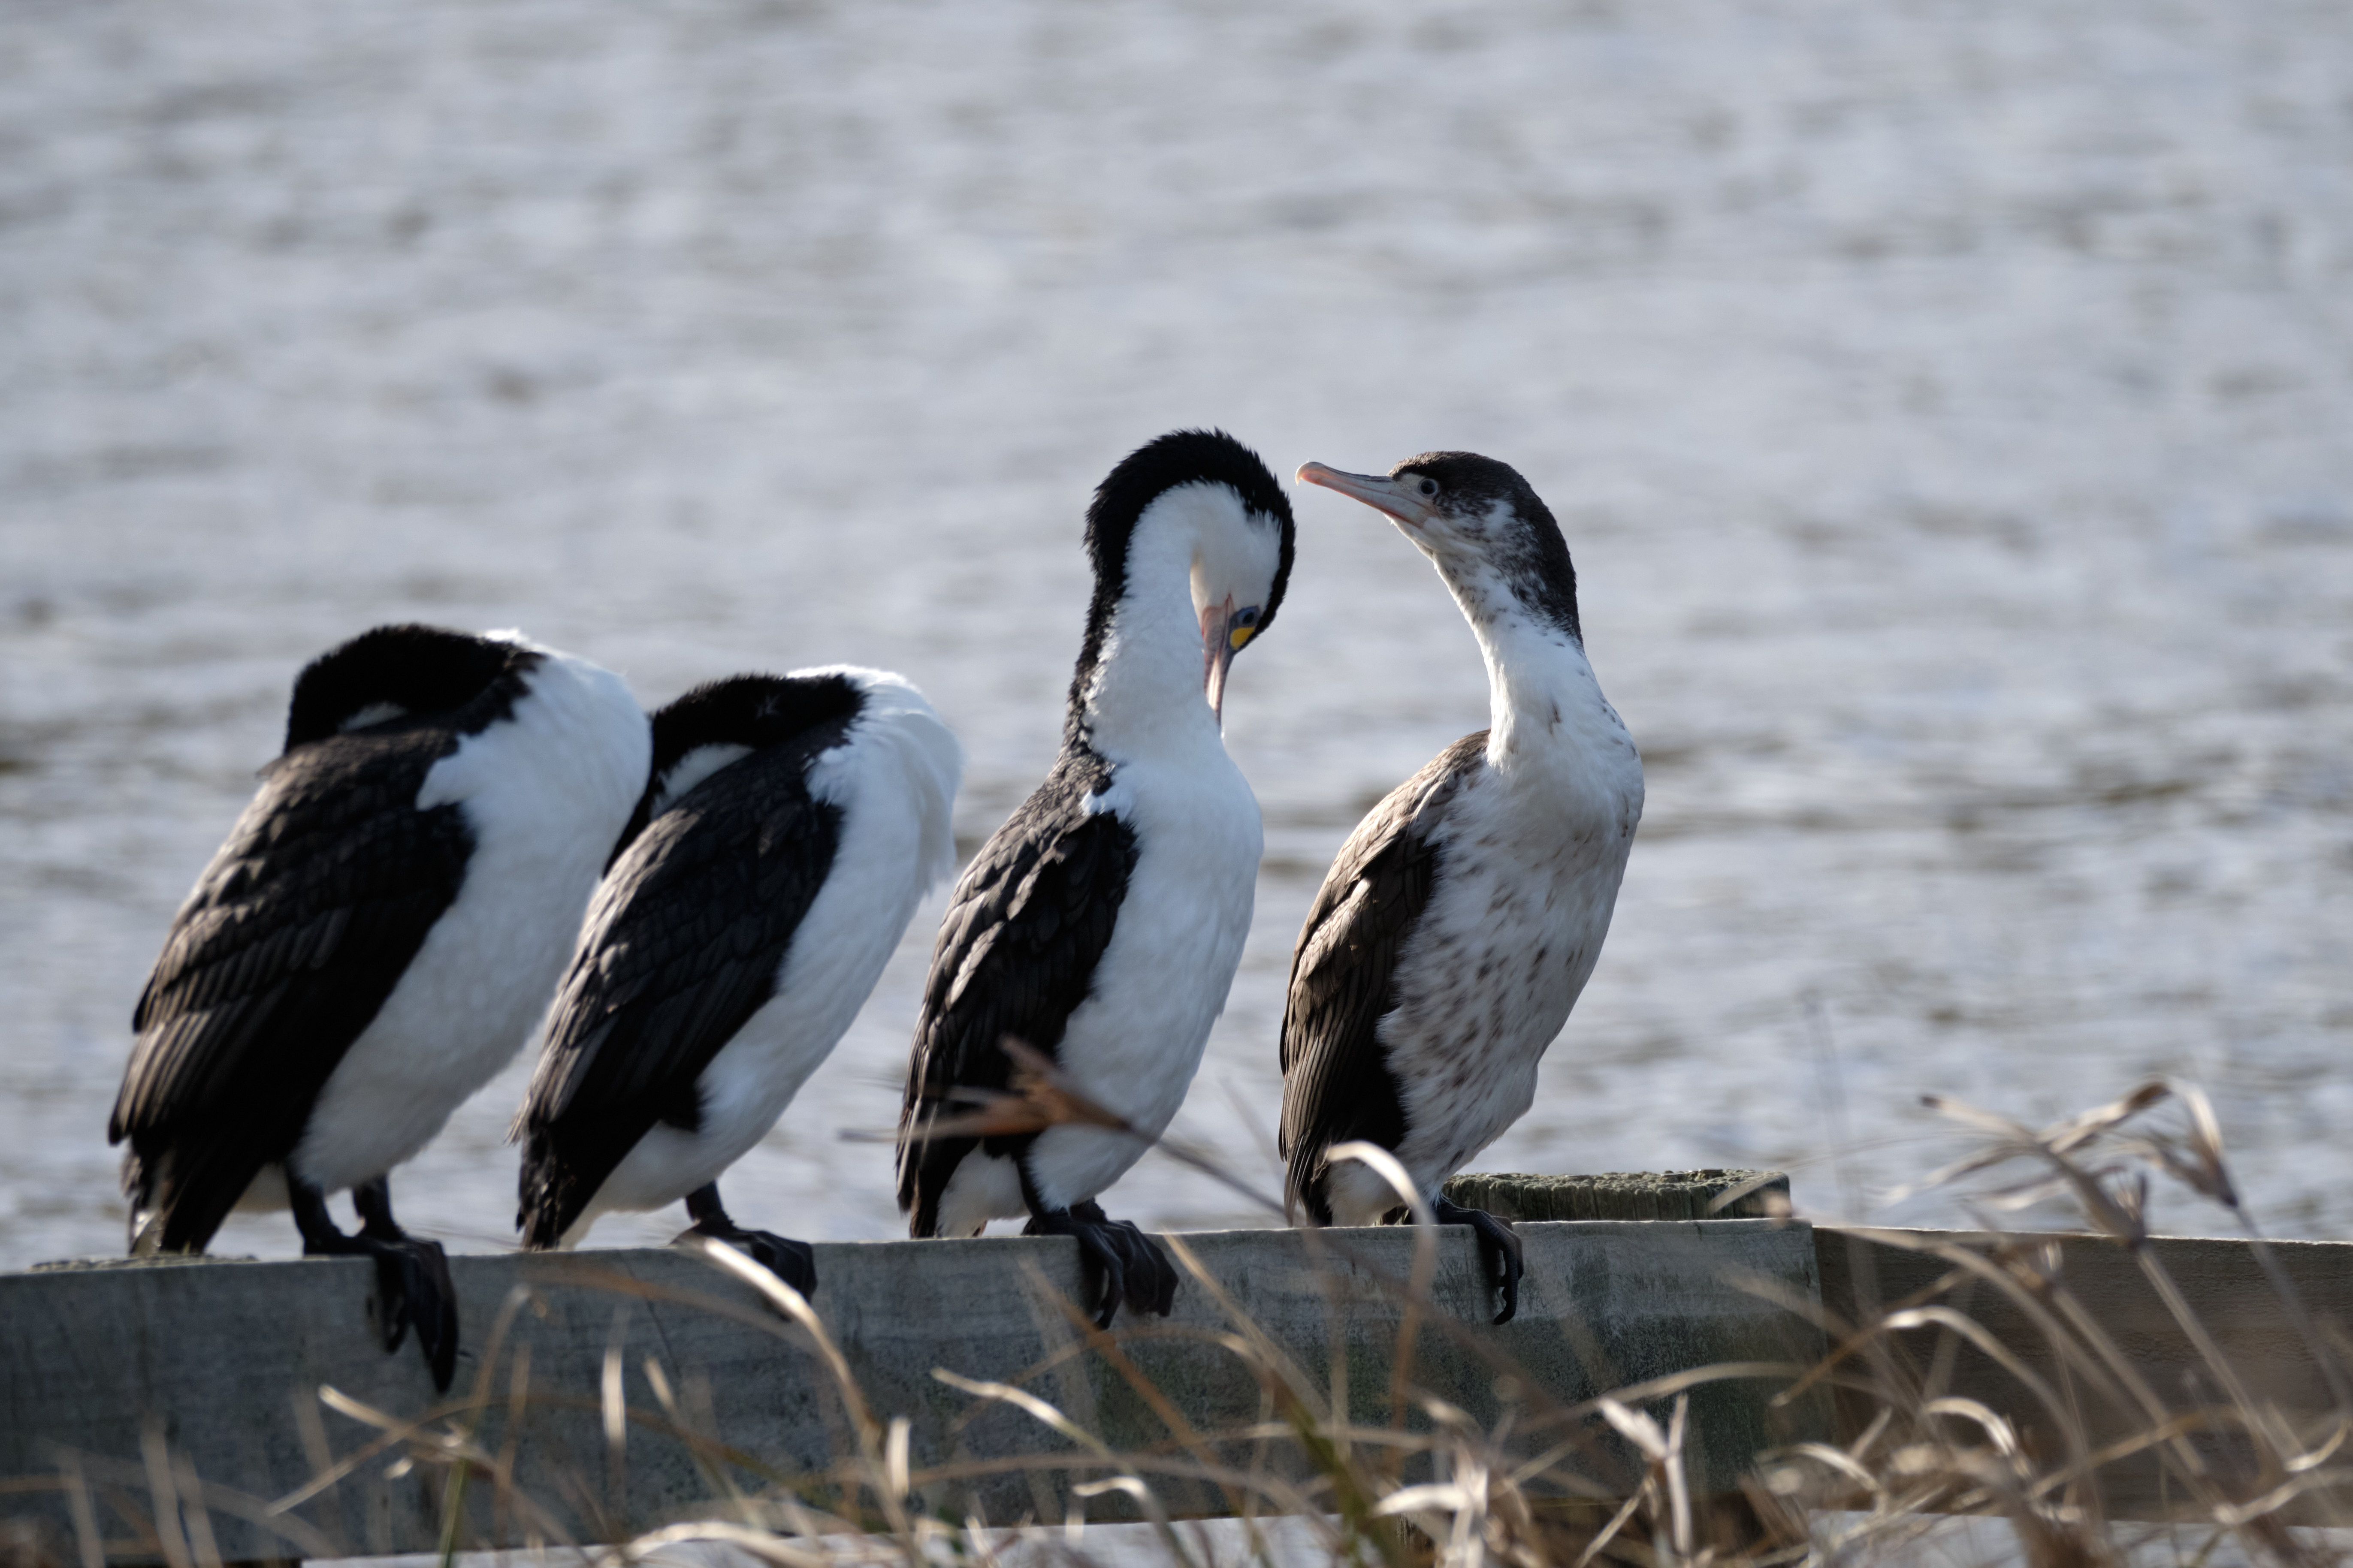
(1101,924)
(792,827)
(374,942)
(1465,915)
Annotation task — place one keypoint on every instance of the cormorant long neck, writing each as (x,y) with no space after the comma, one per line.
(1141,691)
(1540,687)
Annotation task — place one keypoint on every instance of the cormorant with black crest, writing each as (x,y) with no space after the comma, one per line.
(374,942)
(1463,916)
(792,825)
(1101,924)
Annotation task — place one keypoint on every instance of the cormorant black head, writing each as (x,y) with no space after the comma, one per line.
(408,672)
(752,710)
(722,720)
(1241,539)
(1477,518)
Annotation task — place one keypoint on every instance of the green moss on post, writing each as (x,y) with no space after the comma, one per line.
(1625,1194)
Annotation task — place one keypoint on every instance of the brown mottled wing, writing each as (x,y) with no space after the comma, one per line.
(1336,1083)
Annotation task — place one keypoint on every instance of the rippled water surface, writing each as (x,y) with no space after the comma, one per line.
(1950,406)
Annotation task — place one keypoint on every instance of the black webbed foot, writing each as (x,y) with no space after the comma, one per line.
(413,1287)
(412,1282)
(794,1262)
(1499,1250)
(412,1275)
(1128,1264)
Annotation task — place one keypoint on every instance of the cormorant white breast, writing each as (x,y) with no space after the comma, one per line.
(1465,915)
(1101,924)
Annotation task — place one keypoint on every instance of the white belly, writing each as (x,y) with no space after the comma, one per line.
(1136,1042)
(464,1009)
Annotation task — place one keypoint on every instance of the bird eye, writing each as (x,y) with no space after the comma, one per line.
(1429,486)
(1245,627)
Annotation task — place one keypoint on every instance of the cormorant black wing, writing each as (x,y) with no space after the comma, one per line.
(684,942)
(1016,954)
(292,939)
(1336,1082)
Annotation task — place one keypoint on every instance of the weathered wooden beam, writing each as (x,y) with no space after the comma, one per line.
(122,1385)
(2220,1283)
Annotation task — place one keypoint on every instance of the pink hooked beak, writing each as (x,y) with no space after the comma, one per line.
(1382,493)
(1216,654)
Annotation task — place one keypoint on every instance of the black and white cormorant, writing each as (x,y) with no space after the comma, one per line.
(374,942)
(1101,924)
(1465,915)
(792,827)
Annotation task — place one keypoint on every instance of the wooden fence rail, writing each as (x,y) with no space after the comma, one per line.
(161,1412)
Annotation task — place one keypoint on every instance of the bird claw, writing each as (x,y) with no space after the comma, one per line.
(412,1275)
(794,1262)
(1499,1251)
(413,1287)
(1131,1266)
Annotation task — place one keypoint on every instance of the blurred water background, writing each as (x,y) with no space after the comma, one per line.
(1950,406)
